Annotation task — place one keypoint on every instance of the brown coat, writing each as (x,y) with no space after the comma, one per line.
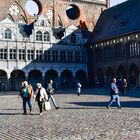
(30,91)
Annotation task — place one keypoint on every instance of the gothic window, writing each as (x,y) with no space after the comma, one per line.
(30,54)
(62,56)
(132,49)
(12,54)
(123,51)
(77,56)
(38,55)
(46,36)
(47,55)
(70,56)
(55,56)
(118,50)
(136,49)
(42,23)
(83,57)
(38,36)
(3,54)
(8,34)
(73,38)
(106,49)
(21,54)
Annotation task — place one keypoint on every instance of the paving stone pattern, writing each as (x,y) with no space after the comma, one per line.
(82,117)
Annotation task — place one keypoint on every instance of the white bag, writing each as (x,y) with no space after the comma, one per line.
(47,105)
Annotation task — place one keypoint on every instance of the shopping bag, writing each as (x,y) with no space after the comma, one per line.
(47,105)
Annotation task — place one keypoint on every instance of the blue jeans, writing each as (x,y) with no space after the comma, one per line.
(78,91)
(25,99)
(115,98)
(53,100)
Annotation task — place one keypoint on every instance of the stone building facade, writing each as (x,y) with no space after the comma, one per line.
(63,12)
(43,47)
(114,49)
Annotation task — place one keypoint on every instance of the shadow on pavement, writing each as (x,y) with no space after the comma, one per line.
(10,109)
(77,108)
(126,104)
(15,114)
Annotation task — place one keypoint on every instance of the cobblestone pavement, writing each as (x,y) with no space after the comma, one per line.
(82,117)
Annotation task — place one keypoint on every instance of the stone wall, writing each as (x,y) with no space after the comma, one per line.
(89,11)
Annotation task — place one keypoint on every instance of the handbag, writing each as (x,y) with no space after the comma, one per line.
(47,105)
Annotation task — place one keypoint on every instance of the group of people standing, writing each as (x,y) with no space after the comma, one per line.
(41,95)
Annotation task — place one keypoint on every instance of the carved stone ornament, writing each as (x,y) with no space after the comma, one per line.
(14,10)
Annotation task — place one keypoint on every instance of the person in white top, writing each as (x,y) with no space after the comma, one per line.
(79,88)
(40,96)
(114,94)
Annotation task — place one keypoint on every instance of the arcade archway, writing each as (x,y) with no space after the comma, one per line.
(34,77)
(81,77)
(51,75)
(3,80)
(17,76)
(67,79)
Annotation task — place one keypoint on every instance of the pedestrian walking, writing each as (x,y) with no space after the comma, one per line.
(114,94)
(79,88)
(50,92)
(26,92)
(40,96)
(124,86)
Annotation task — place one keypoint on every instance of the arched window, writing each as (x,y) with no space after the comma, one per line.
(42,23)
(134,49)
(38,36)
(73,38)
(62,56)
(46,36)
(119,51)
(8,34)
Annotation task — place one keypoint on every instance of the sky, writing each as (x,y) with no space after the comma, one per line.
(114,2)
